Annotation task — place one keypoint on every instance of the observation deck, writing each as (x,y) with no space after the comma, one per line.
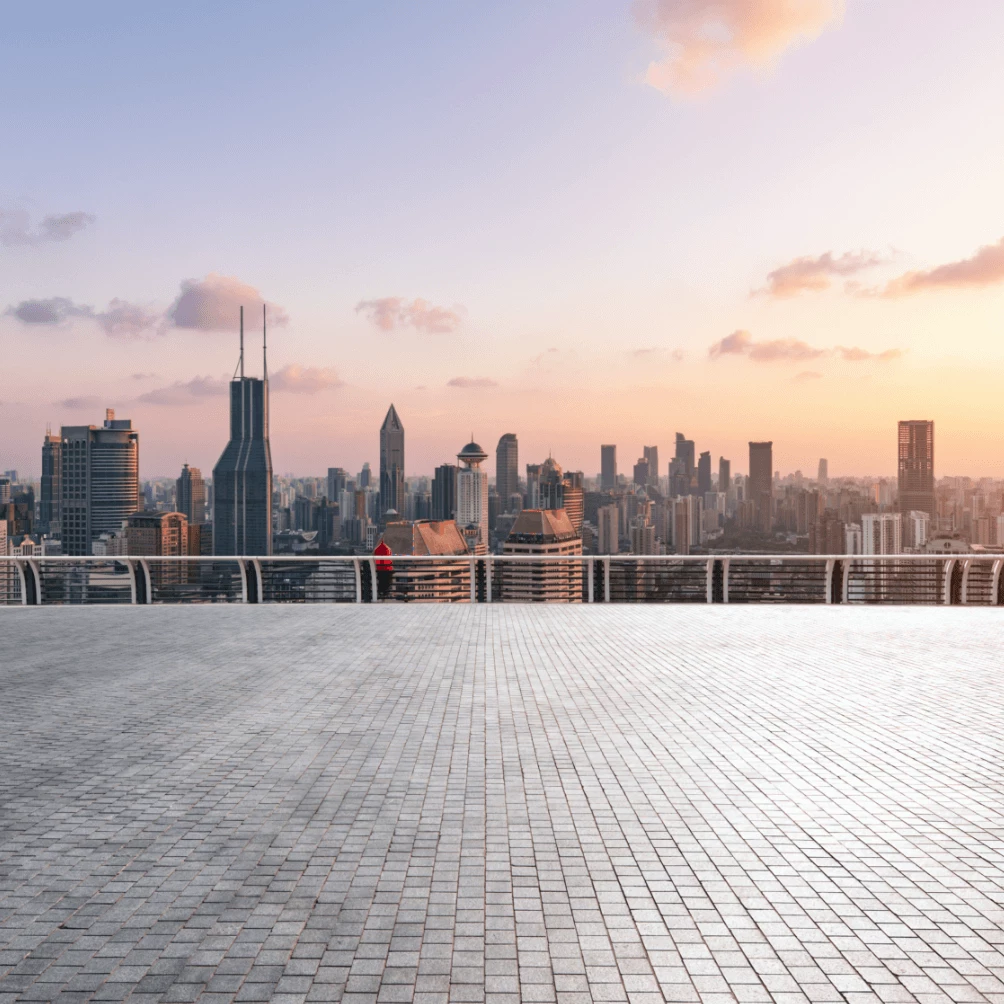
(502,803)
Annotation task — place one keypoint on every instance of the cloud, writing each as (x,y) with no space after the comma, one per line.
(676,355)
(186,392)
(53,310)
(707,41)
(213,304)
(392,312)
(297,379)
(853,354)
(742,343)
(126,320)
(984,268)
(814,274)
(16,230)
(471,382)
(79,403)
(806,375)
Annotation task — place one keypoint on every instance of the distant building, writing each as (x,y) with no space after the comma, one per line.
(551,492)
(917,529)
(824,472)
(444,492)
(472,498)
(242,477)
(50,488)
(417,582)
(338,480)
(608,467)
(853,539)
(761,483)
(882,533)
(685,454)
(916,466)
(391,464)
(573,499)
(533,486)
(507,471)
(651,454)
(190,495)
(607,535)
(704,474)
(160,534)
(542,532)
(641,472)
(724,474)
(99,481)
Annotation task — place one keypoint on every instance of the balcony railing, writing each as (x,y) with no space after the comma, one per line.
(972,580)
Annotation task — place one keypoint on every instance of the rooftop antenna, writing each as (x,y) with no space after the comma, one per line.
(264,345)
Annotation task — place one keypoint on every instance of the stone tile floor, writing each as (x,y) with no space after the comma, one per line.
(502,804)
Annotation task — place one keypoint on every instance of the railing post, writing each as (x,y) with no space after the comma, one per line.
(27,585)
(845,580)
(144,570)
(725,580)
(949,570)
(259,581)
(474,579)
(591,572)
(245,598)
(964,592)
(828,586)
(359,579)
(488,578)
(606,579)
(374,596)
(995,582)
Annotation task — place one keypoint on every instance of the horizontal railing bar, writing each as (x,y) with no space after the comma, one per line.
(696,559)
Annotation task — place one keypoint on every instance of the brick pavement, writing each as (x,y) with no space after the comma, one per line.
(502,803)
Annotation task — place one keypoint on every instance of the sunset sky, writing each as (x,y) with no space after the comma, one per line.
(581,221)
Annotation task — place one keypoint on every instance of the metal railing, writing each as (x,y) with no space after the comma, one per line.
(966,579)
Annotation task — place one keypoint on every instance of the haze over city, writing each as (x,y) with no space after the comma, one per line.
(582,222)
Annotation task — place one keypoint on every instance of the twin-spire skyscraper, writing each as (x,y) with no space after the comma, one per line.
(242,477)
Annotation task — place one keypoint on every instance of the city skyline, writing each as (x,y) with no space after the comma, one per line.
(637,281)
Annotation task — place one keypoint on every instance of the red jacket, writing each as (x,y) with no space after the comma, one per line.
(382,549)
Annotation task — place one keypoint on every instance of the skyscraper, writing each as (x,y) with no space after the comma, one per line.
(608,468)
(507,470)
(190,495)
(472,498)
(685,453)
(916,466)
(50,488)
(444,492)
(99,480)
(704,474)
(761,491)
(824,472)
(641,472)
(242,477)
(651,454)
(338,479)
(724,474)
(391,465)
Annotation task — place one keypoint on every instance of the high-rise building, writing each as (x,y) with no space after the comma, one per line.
(684,523)
(99,478)
(641,472)
(543,532)
(50,488)
(391,464)
(533,486)
(704,474)
(882,533)
(507,470)
(761,483)
(608,467)
(472,498)
(607,536)
(551,486)
(824,471)
(651,454)
(685,453)
(365,475)
(190,495)
(724,474)
(444,492)
(157,533)
(242,477)
(574,499)
(916,466)
(338,480)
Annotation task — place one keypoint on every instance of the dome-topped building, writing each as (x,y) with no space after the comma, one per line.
(472,497)
(472,454)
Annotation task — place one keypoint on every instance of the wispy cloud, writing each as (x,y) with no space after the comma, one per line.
(186,392)
(120,319)
(707,41)
(653,353)
(213,304)
(79,403)
(16,229)
(297,379)
(786,350)
(812,275)
(806,376)
(50,311)
(471,382)
(391,312)
(984,268)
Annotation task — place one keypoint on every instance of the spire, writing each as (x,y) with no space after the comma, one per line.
(242,343)
(264,346)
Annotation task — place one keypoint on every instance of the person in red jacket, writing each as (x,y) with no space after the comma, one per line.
(384,570)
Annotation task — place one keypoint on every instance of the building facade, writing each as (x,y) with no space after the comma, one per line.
(916,466)
(761,484)
(507,471)
(392,487)
(417,582)
(444,492)
(608,467)
(472,498)
(539,532)
(190,495)
(99,481)
(50,486)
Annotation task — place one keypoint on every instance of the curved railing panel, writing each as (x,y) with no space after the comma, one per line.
(217,581)
(764,579)
(85,581)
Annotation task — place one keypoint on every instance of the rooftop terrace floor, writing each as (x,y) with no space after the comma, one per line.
(464,803)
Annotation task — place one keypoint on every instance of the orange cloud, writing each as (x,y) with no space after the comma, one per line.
(984,268)
(742,343)
(853,354)
(802,275)
(213,304)
(390,312)
(807,375)
(297,379)
(706,41)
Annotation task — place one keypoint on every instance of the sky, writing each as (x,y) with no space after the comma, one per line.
(585,222)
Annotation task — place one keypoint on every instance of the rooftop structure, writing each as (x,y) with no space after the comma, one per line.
(426,803)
